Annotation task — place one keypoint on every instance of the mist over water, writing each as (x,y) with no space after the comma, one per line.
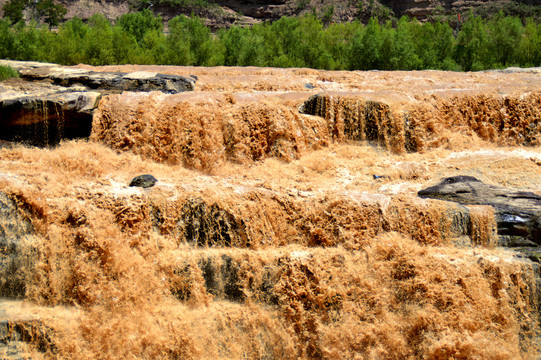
(267,235)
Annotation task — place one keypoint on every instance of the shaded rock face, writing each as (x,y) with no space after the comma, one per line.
(222,278)
(518,213)
(46,120)
(508,121)
(358,119)
(17,253)
(65,110)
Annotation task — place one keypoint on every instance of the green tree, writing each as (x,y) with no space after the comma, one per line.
(53,14)
(336,39)
(444,46)
(28,45)
(70,42)
(13,10)
(193,39)
(139,23)
(98,44)
(7,40)
(231,40)
(529,48)
(472,50)
(505,34)
(403,56)
(366,47)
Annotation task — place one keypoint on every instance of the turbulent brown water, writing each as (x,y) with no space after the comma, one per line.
(273,234)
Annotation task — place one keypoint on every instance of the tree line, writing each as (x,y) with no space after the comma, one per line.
(405,44)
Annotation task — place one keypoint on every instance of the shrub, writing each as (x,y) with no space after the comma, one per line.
(7,72)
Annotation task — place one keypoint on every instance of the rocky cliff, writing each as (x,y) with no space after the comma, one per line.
(225,13)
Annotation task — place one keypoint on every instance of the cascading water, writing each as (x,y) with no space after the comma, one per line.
(270,234)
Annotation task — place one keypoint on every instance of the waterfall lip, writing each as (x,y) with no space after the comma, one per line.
(497,154)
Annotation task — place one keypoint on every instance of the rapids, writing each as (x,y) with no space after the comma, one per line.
(278,234)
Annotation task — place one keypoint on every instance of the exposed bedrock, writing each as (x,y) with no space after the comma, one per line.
(111,81)
(209,225)
(62,100)
(47,119)
(257,218)
(518,213)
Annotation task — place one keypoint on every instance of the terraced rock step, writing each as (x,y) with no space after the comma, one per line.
(23,333)
(259,275)
(105,81)
(312,294)
(48,114)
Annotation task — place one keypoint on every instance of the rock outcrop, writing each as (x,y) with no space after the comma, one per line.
(46,119)
(518,213)
(110,81)
(62,100)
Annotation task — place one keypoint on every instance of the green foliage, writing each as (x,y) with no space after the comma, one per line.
(7,40)
(139,23)
(13,10)
(193,40)
(7,72)
(304,41)
(202,4)
(72,36)
(52,13)
(98,44)
(472,49)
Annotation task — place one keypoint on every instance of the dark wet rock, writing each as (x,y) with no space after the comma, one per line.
(360,119)
(518,213)
(144,181)
(17,251)
(22,332)
(230,278)
(222,278)
(210,225)
(60,101)
(111,81)
(46,119)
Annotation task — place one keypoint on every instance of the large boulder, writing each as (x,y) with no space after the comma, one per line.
(518,213)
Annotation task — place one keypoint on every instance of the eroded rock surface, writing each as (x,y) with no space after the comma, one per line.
(518,213)
(107,81)
(44,120)
(58,102)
